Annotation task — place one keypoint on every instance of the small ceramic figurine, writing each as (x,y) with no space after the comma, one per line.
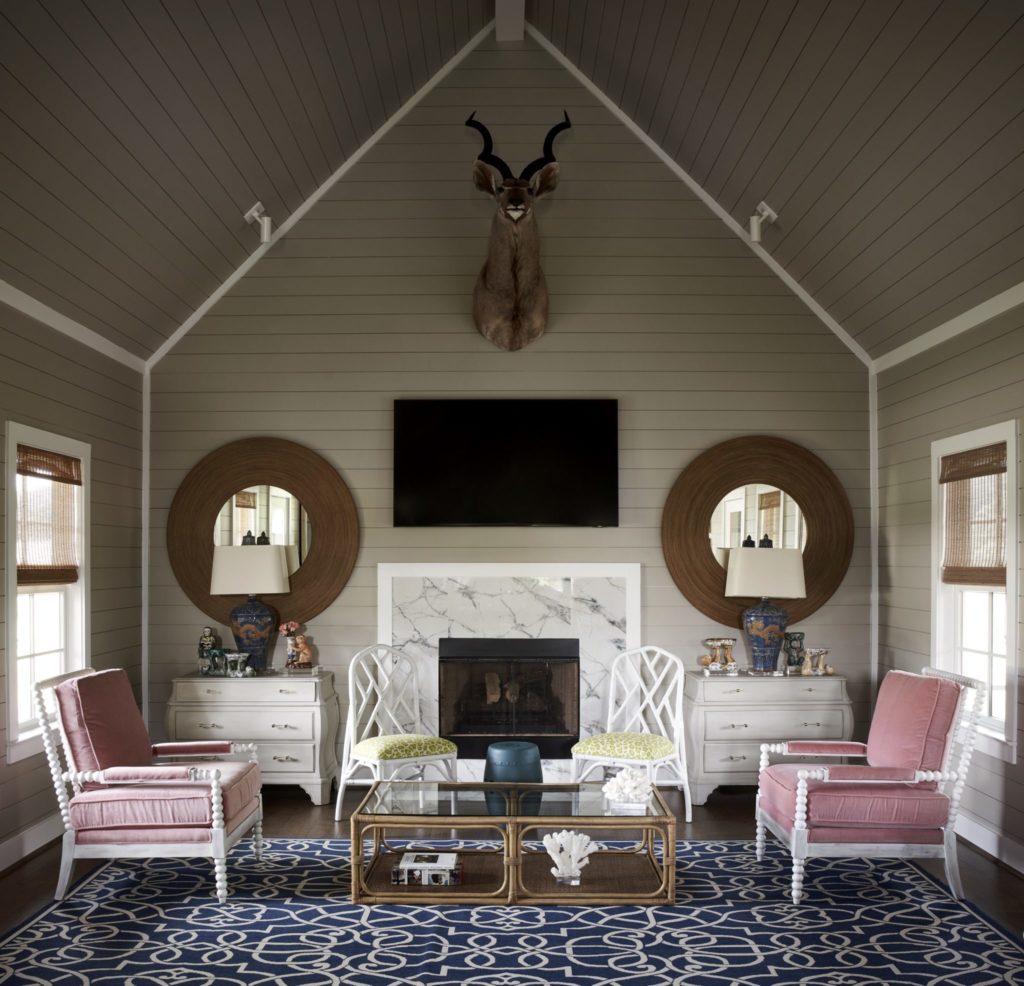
(808,665)
(207,643)
(299,653)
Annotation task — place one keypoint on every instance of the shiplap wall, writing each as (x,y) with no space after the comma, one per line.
(51,382)
(653,302)
(974,380)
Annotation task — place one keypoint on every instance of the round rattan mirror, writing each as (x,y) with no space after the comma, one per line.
(333,518)
(755,459)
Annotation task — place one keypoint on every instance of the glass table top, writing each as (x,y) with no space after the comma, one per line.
(446,800)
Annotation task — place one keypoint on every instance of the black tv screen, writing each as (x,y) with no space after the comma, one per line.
(520,463)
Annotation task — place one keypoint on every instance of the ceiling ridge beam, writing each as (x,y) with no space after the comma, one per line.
(20,301)
(301,211)
(712,203)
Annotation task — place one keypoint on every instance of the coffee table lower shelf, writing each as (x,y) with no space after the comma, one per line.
(485,881)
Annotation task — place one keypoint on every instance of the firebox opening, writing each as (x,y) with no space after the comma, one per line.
(497,688)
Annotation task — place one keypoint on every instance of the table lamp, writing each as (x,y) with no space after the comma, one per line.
(250,570)
(761,572)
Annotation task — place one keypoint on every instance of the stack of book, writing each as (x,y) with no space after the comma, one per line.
(427,869)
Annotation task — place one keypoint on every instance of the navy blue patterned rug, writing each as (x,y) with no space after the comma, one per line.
(289,921)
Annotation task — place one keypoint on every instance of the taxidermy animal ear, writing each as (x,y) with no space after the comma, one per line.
(547,180)
(484,179)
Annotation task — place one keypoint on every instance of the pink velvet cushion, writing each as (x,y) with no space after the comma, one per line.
(103,724)
(167,806)
(191,748)
(852,805)
(826,748)
(161,772)
(911,722)
(859,772)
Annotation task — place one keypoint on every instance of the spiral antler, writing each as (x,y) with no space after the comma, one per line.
(487,155)
(549,149)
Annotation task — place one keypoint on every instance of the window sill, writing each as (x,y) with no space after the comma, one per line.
(995,744)
(27,745)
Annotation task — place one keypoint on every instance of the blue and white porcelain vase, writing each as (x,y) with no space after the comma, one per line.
(764,625)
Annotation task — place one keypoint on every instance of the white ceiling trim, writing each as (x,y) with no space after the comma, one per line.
(301,211)
(27,305)
(996,305)
(776,268)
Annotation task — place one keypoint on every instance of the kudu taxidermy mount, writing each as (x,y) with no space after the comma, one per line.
(510,300)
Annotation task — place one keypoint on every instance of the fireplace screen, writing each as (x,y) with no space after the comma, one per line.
(496,688)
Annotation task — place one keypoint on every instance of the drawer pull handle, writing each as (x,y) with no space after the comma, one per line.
(733,691)
(284,725)
(734,757)
(212,691)
(286,759)
(812,723)
(210,725)
(740,725)
(286,691)
(808,689)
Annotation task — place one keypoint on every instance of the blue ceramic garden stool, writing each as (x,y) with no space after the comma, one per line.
(513,762)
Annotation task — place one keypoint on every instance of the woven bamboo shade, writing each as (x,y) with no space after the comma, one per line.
(48,521)
(974,510)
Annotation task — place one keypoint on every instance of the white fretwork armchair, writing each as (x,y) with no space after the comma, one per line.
(645,720)
(902,803)
(128,798)
(384,732)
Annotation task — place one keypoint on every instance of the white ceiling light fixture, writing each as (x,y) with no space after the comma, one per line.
(764,213)
(257,214)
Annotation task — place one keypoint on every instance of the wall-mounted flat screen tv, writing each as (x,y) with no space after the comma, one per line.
(523,463)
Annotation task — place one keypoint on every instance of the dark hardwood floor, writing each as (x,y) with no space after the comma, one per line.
(996,890)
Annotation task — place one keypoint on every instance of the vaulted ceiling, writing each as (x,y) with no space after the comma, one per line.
(888,136)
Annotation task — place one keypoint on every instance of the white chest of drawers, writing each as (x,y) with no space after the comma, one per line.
(293,720)
(729,717)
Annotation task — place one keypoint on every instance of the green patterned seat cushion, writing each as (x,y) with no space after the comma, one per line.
(625,746)
(402,747)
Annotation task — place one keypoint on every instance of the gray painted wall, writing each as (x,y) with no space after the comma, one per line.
(51,382)
(653,302)
(974,380)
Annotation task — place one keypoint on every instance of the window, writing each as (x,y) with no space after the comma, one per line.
(769,513)
(47,577)
(974,571)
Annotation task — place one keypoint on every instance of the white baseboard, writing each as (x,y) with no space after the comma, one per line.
(17,847)
(1002,847)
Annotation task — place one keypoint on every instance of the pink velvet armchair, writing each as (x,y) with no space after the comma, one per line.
(902,803)
(131,798)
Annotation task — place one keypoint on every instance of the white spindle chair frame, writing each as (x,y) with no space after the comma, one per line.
(221,842)
(384,700)
(645,696)
(958,753)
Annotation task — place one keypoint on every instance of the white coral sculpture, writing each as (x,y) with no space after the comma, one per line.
(629,785)
(569,850)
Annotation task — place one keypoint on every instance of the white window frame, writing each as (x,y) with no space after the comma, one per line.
(77,596)
(945,618)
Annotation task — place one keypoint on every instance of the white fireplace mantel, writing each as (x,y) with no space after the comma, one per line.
(598,603)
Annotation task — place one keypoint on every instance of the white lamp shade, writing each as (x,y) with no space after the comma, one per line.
(249,570)
(774,572)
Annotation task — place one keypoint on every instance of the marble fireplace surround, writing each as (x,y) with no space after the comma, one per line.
(598,603)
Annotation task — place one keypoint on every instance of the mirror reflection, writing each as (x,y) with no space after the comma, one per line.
(753,512)
(269,510)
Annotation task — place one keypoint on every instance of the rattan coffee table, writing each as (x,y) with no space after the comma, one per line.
(509,865)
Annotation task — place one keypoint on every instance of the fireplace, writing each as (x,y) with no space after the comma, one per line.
(492,688)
